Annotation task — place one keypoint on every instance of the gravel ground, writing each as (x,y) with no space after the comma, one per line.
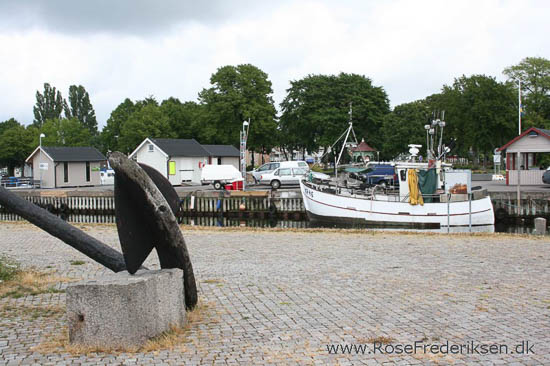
(283,297)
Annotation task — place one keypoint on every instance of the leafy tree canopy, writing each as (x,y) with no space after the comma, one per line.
(65,132)
(240,93)
(404,126)
(149,121)
(49,105)
(112,130)
(15,146)
(534,74)
(80,107)
(315,110)
(12,122)
(481,113)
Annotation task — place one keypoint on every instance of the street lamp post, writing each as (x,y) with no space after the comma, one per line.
(243,138)
(40,162)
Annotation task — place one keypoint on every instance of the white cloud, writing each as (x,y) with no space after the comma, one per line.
(411,48)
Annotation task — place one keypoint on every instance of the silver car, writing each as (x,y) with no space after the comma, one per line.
(283,176)
(270,167)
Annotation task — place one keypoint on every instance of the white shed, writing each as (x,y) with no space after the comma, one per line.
(223,155)
(181,160)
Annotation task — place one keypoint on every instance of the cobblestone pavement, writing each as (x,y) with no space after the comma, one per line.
(280,297)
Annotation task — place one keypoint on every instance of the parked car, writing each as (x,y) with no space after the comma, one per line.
(283,176)
(546,176)
(380,174)
(271,167)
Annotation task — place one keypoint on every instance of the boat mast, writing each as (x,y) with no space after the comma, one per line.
(350,129)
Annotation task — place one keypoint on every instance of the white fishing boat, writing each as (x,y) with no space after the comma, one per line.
(451,202)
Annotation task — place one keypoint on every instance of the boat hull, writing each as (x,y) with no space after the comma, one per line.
(332,208)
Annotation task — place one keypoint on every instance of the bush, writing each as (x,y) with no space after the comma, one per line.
(8,269)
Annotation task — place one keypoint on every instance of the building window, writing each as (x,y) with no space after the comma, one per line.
(151,148)
(65,172)
(219,161)
(87,171)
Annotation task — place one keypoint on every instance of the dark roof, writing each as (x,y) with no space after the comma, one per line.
(74,153)
(222,150)
(181,147)
(363,147)
(543,132)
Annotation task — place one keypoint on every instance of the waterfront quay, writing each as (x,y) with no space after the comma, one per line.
(271,297)
(260,202)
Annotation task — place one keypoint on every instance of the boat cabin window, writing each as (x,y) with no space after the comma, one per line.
(403,175)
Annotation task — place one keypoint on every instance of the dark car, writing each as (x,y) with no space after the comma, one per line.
(381,174)
(546,176)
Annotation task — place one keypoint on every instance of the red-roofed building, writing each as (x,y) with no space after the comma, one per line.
(531,141)
(364,151)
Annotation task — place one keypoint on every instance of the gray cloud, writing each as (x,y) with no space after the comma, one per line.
(139,17)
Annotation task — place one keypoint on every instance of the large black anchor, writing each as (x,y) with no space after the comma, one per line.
(145,208)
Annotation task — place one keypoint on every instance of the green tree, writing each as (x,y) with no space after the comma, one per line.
(239,93)
(65,132)
(112,130)
(149,121)
(534,74)
(481,113)
(184,118)
(15,147)
(12,122)
(404,126)
(316,110)
(80,107)
(48,105)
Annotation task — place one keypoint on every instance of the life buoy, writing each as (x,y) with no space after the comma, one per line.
(201,165)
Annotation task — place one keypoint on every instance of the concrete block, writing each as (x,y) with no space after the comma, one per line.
(540,226)
(123,310)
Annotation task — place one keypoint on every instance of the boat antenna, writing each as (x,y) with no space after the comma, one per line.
(441,126)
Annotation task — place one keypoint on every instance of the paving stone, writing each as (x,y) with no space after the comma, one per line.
(281,297)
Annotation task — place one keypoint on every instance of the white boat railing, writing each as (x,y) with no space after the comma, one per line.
(372,195)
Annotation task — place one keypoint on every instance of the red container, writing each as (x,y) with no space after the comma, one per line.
(229,187)
(237,185)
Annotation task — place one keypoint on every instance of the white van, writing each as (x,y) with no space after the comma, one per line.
(107,177)
(270,167)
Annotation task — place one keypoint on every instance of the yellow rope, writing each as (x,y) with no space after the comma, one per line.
(415,197)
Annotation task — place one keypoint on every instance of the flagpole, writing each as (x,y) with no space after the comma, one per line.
(519,107)
(518,164)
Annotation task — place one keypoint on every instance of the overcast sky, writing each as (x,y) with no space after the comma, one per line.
(137,48)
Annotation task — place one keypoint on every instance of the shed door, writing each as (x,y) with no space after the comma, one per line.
(186,170)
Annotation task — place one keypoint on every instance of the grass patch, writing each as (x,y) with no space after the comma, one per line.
(31,283)
(173,339)
(8,269)
(213,280)
(77,263)
(380,339)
